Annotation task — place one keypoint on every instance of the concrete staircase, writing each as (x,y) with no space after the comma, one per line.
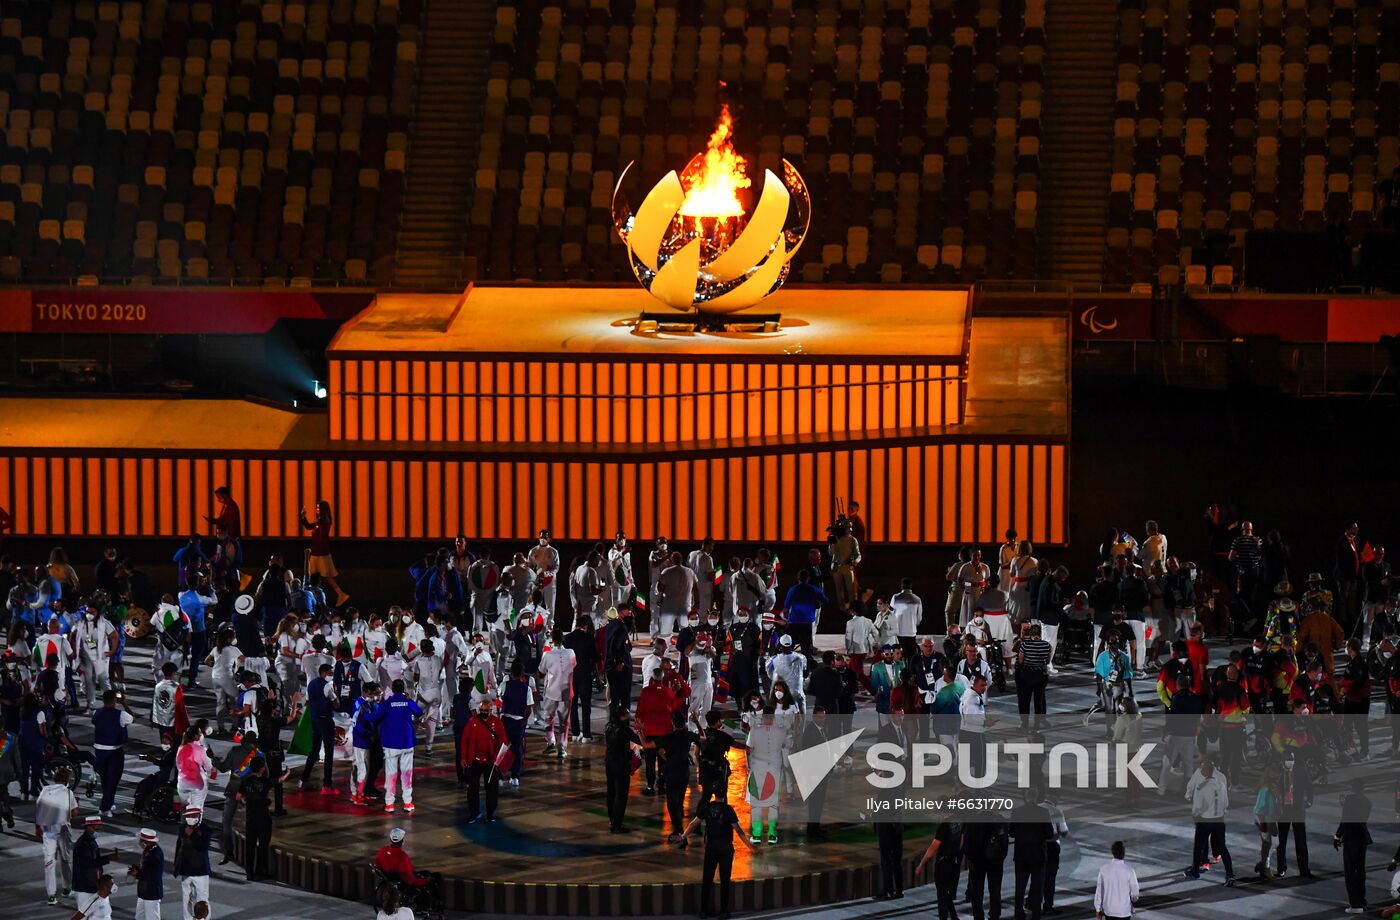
(1077,137)
(452,69)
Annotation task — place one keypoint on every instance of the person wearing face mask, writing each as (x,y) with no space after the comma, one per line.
(702,562)
(291,646)
(654,708)
(543,560)
(480,670)
(150,877)
(95,639)
(587,591)
(194,768)
(767,744)
(884,677)
(790,667)
(481,743)
(685,640)
(411,635)
(191,864)
(702,687)
(744,643)
(363,734)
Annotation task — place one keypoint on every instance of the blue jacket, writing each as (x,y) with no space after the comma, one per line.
(150,885)
(395,718)
(193,608)
(362,732)
(802,603)
(433,593)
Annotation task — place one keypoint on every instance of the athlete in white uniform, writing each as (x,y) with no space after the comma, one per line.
(427,675)
(544,561)
(702,563)
(620,564)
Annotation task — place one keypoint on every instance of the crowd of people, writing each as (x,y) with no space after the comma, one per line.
(485,651)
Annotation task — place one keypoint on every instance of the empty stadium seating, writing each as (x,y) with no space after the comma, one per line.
(212,140)
(1257,114)
(914,122)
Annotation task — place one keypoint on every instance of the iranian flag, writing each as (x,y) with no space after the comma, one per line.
(641,602)
(719,576)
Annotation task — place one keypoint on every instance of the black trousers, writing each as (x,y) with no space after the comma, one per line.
(276,765)
(649,756)
(976,751)
(802,638)
(457,755)
(1232,752)
(1052,870)
(257,844)
(711,782)
(322,737)
(1360,709)
(1030,873)
(1300,844)
(675,800)
(581,715)
(890,836)
(620,687)
(109,766)
(1210,835)
(723,860)
(743,678)
(374,766)
(1030,690)
(980,875)
(619,787)
(945,880)
(479,774)
(1354,868)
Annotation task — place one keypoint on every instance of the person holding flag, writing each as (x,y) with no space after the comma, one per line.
(483,578)
(427,678)
(620,562)
(766,747)
(767,566)
(543,560)
(702,689)
(480,671)
(484,751)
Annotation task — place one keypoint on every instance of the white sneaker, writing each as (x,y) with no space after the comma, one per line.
(515,781)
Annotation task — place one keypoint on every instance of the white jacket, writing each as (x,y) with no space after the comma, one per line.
(1209,797)
(860,635)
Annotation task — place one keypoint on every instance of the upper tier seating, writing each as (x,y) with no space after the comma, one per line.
(1239,115)
(915,123)
(211,140)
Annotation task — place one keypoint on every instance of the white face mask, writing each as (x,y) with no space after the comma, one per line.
(742,618)
(756,705)
(713,621)
(693,621)
(778,694)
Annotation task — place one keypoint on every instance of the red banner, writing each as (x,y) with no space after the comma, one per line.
(177,311)
(1221,318)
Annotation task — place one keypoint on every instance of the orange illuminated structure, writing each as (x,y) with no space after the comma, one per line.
(502,410)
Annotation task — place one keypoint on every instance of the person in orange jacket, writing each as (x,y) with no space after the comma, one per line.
(1319,627)
(654,707)
(481,742)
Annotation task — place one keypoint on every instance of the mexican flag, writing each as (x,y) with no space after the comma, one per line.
(620,574)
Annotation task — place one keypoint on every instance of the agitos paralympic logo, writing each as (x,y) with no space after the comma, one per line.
(1065,765)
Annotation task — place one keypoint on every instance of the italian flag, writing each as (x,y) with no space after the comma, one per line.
(479,682)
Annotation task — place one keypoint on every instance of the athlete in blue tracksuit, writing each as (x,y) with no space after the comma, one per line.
(395,717)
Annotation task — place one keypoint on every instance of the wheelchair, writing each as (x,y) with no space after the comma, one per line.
(1076,638)
(426,901)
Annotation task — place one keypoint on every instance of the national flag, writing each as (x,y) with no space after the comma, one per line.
(243,766)
(504,757)
(721,690)
(641,602)
(479,682)
(1367,553)
(719,576)
(762,788)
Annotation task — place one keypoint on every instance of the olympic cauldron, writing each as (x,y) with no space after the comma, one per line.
(695,246)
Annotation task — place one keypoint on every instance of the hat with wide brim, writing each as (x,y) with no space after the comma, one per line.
(243,604)
(1286,605)
(1283,588)
(1314,577)
(611,614)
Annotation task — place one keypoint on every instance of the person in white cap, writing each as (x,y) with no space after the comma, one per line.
(393,860)
(790,666)
(191,864)
(53,810)
(150,877)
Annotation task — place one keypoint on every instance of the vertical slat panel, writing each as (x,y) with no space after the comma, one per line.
(786,486)
(967,493)
(807,495)
(337,407)
(22,509)
(111,522)
(575,530)
(646,510)
(901,497)
(377,485)
(471,387)
(1004,511)
(1058,473)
